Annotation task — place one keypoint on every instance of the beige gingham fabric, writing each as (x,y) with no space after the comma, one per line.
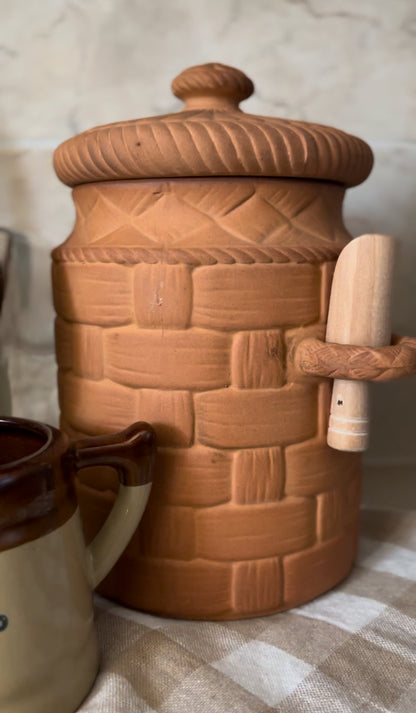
(351,650)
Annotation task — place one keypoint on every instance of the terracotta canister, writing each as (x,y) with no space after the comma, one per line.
(202,255)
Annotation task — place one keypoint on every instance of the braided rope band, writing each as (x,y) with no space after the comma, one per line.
(344,361)
(196,256)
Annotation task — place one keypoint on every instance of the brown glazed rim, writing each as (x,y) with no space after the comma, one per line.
(34,427)
(37,493)
(212,137)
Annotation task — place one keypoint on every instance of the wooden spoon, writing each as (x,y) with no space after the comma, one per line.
(359,314)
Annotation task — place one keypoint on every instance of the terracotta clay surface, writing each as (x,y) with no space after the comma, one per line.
(181,295)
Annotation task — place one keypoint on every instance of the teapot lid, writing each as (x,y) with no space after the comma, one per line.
(211,136)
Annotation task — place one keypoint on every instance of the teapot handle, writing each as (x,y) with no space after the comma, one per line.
(132,453)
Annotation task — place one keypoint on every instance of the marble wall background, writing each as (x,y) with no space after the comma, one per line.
(66,65)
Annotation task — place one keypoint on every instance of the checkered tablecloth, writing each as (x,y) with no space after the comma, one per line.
(351,650)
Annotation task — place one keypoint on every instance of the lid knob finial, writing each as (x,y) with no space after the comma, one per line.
(212,86)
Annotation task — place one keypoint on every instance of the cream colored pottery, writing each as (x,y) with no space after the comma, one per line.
(48,648)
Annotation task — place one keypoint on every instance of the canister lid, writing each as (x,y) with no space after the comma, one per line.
(211,136)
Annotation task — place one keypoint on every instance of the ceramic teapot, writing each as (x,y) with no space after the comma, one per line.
(48,647)
(194,291)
